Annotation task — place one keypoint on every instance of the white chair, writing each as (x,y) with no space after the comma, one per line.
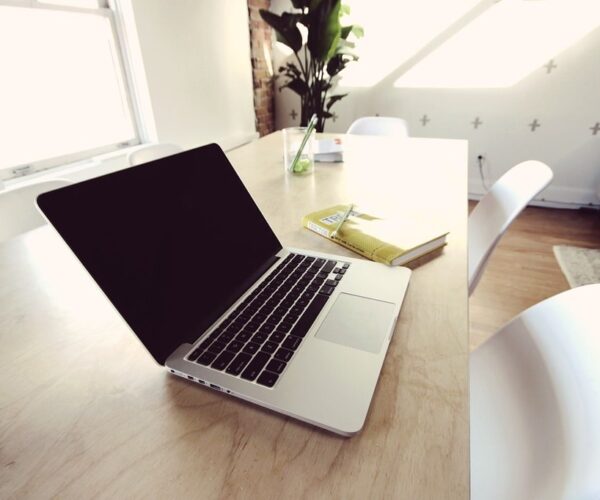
(379,125)
(150,152)
(498,208)
(18,211)
(535,403)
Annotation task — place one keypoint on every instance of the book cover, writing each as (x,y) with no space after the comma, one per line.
(392,242)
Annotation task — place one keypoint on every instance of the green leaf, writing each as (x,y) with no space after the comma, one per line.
(297,85)
(335,65)
(333,99)
(355,29)
(345,10)
(285,28)
(324,30)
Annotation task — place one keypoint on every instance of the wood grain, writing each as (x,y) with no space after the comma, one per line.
(84,411)
(523,271)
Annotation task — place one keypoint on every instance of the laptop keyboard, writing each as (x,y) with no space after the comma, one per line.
(259,338)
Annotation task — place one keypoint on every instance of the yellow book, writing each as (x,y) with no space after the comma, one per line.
(391,242)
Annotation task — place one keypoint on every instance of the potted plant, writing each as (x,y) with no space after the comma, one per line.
(312,74)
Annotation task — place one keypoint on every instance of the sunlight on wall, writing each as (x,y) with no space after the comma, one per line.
(394,31)
(505,44)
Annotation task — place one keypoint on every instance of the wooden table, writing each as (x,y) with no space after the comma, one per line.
(85,411)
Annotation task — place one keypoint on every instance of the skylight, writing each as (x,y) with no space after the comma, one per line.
(395,30)
(504,44)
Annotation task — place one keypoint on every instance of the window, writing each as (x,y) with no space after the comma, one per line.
(64,95)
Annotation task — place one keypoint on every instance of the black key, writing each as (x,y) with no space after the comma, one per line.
(322,275)
(277,337)
(291,318)
(252,327)
(302,303)
(318,281)
(342,271)
(269,347)
(346,265)
(313,288)
(206,358)
(284,326)
(309,259)
(235,346)
(327,290)
(276,317)
(251,348)
(217,346)
(195,354)
(243,336)
(213,336)
(336,270)
(331,282)
(276,366)
(329,266)
(338,277)
(238,364)
(259,338)
(226,337)
(309,316)
(267,378)
(284,355)
(291,343)
(267,328)
(320,262)
(205,344)
(255,366)
(223,360)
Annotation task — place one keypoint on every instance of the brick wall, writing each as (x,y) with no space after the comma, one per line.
(261,45)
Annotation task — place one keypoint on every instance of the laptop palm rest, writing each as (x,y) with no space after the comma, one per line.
(357,322)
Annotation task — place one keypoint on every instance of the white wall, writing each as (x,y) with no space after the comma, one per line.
(566,102)
(196,55)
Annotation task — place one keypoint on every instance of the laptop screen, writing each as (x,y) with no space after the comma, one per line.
(172,243)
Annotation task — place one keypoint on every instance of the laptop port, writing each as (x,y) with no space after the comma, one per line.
(213,386)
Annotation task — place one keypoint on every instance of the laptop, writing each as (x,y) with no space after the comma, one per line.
(184,254)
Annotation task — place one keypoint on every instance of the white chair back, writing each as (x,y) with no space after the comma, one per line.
(498,208)
(535,403)
(18,210)
(379,125)
(151,152)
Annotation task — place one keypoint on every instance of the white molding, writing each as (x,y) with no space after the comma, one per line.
(553,196)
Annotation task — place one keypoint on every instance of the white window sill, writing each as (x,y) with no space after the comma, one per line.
(104,164)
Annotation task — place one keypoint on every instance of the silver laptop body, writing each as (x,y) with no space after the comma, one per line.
(303,333)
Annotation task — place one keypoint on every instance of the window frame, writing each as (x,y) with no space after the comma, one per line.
(110,10)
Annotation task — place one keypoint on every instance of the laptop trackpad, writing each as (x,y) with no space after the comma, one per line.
(357,322)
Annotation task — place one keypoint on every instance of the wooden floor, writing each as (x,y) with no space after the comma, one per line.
(523,270)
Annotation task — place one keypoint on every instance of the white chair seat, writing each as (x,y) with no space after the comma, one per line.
(498,208)
(151,152)
(535,403)
(18,211)
(379,125)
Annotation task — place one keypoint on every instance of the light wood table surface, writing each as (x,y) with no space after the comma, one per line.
(85,412)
